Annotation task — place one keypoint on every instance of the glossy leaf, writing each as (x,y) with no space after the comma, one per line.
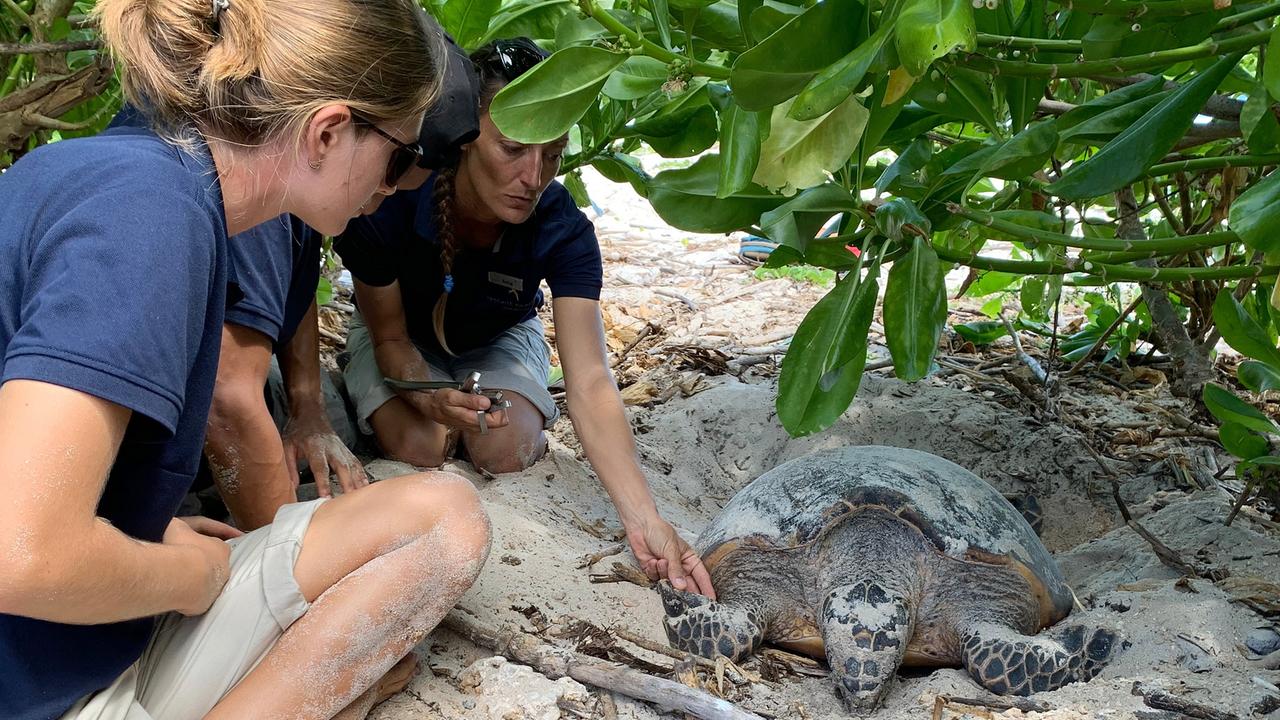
(638,77)
(830,87)
(577,189)
(1017,157)
(686,126)
(783,63)
(1241,331)
(467,20)
(1142,144)
(796,222)
(686,199)
(741,133)
(798,154)
(623,168)
(824,364)
(542,104)
(1110,101)
(1255,215)
(662,21)
(1106,125)
(899,218)
(915,310)
(929,29)
(961,94)
(1257,122)
(1258,376)
(535,19)
(745,8)
(1228,408)
(908,163)
(1242,442)
(982,332)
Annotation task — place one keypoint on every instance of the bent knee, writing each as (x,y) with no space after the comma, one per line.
(446,506)
(507,455)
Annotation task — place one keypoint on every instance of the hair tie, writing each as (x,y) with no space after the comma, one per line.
(448,284)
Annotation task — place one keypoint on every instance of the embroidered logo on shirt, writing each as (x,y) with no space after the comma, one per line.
(514,284)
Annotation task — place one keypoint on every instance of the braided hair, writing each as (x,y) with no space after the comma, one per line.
(497,64)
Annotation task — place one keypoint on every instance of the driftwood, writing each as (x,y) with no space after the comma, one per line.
(1159,699)
(942,702)
(557,662)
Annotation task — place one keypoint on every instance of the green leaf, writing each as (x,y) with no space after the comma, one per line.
(1241,331)
(1125,158)
(535,19)
(683,127)
(961,94)
(1255,464)
(1257,122)
(798,154)
(907,164)
(577,189)
(686,199)
(745,8)
(1017,157)
(1258,376)
(542,104)
(982,332)
(1110,101)
(467,20)
(1255,215)
(1242,442)
(796,222)
(324,291)
(1228,408)
(1113,35)
(929,29)
(1104,126)
(991,281)
(741,133)
(824,363)
(623,168)
(638,76)
(1271,70)
(662,20)
(830,87)
(915,310)
(783,63)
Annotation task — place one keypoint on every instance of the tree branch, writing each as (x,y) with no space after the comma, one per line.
(46,48)
(1122,65)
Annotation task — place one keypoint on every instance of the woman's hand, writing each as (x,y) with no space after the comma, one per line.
(664,554)
(454,408)
(208,538)
(309,437)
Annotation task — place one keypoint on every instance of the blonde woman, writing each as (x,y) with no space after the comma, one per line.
(447,282)
(113,287)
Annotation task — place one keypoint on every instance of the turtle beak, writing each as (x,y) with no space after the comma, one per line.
(676,602)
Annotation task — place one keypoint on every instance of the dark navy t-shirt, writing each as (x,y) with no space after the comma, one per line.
(113,279)
(274,267)
(493,289)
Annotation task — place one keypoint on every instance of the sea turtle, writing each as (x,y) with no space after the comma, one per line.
(877,557)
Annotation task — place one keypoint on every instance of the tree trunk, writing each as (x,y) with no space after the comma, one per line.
(1191,365)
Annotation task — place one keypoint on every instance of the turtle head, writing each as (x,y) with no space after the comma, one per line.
(702,626)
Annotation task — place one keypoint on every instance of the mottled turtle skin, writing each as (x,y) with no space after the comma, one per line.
(877,557)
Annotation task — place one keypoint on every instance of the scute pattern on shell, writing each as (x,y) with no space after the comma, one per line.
(793,503)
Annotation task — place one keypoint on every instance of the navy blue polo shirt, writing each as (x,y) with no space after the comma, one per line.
(113,279)
(493,289)
(274,267)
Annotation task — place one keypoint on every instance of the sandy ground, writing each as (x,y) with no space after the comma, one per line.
(705,426)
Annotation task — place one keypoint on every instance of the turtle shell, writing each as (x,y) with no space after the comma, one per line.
(960,513)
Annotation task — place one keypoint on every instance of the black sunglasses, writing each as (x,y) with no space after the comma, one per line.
(403,156)
(516,57)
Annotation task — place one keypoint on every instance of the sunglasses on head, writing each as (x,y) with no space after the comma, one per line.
(516,57)
(403,156)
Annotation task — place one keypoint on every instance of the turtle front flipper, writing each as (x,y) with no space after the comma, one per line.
(1007,662)
(865,629)
(702,626)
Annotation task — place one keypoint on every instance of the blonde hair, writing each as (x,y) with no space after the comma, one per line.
(259,68)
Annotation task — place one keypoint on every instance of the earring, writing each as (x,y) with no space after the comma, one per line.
(315,164)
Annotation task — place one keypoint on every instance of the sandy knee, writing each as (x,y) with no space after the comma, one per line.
(508,454)
(445,507)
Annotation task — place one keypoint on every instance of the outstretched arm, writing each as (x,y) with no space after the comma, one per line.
(58,560)
(596,409)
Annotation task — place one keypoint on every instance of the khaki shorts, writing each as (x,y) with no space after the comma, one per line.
(518,360)
(192,662)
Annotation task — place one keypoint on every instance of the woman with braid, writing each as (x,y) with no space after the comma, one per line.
(447,283)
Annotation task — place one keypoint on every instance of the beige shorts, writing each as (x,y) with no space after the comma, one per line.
(192,662)
(518,361)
